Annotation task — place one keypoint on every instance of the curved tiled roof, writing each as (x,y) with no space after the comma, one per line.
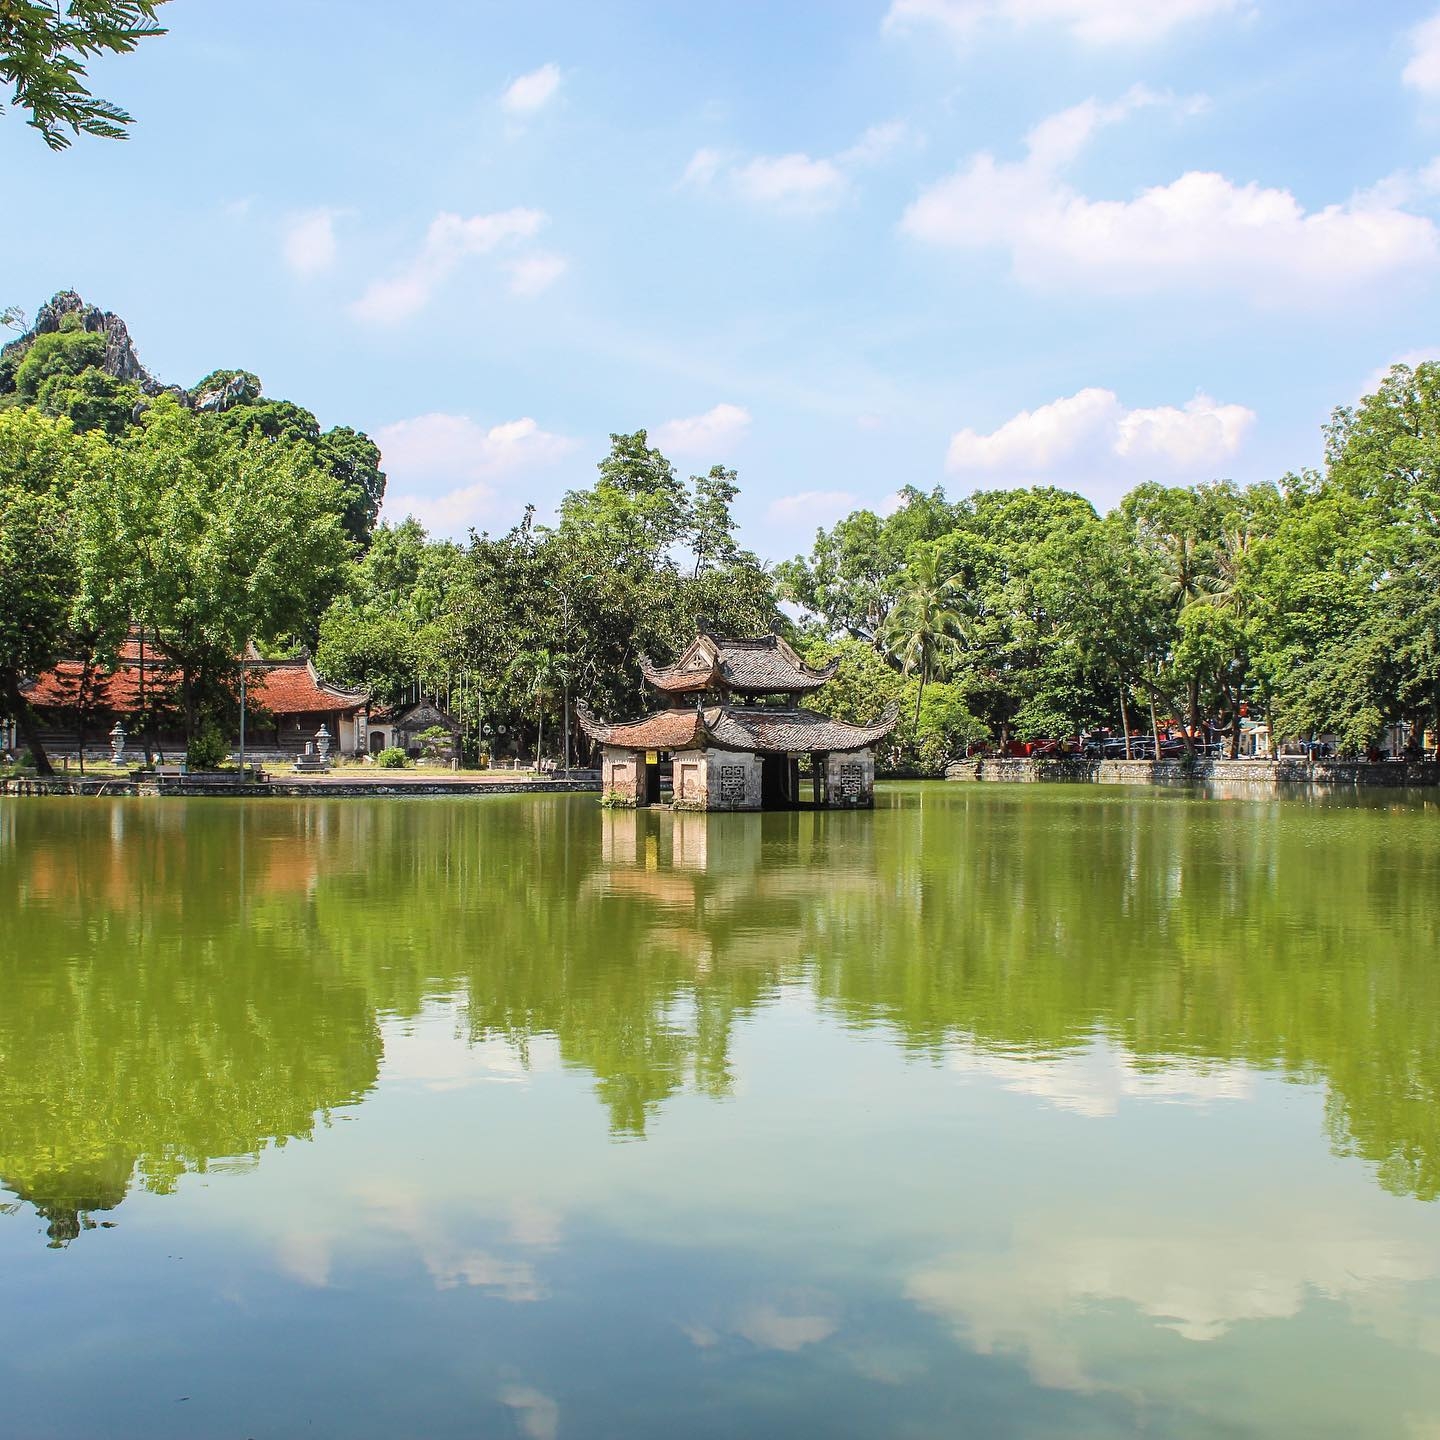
(783,731)
(756,728)
(294,687)
(760,666)
(58,689)
(664,730)
(283,687)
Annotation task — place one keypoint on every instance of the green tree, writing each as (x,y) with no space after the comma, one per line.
(638,509)
(61,354)
(44,48)
(44,465)
(925,628)
(218,542)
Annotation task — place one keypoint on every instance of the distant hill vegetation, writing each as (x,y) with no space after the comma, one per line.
(78,361)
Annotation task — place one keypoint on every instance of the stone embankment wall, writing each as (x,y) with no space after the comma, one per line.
(1218,774)
(296,789)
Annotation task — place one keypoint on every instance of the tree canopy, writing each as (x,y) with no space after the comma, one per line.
(44,48)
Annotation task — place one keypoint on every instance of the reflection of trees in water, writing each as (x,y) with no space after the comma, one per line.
(161,1009)
(205,980)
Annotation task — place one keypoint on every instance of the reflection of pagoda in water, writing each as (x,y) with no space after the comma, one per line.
(735,731)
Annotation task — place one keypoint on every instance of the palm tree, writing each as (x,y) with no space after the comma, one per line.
(925,627)
(1225,590)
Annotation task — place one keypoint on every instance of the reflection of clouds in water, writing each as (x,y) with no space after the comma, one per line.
(406,1210)
(786,1324)
(433,1054)
(771,1329)
(1095,1080)
(510,1279)
(536,1413)
(305,1256)
(1032,1299)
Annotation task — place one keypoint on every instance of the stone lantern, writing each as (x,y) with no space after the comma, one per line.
(118,737)
(322,743)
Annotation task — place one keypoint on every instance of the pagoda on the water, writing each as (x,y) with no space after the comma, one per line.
(732,732)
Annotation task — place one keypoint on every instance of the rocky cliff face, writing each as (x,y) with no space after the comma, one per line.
(120,360)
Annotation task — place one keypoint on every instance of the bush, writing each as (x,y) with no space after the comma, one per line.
(392,759)
(207,749)
(436,742)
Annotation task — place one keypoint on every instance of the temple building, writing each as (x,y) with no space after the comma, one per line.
(732,733)
(288,702)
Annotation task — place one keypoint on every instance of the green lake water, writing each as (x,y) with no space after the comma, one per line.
(1001,1111)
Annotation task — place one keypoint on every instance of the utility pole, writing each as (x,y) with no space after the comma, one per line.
(243,649)
(565,621)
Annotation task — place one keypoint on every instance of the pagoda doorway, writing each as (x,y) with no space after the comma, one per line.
(779,782)
(650,794)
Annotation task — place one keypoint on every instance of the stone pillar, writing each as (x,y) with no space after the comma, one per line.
(622,776)
(850,779)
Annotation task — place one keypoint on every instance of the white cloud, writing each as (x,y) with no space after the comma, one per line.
(704,166)
(703,434)
(792,182)
(1092,22)
(878,143)
(1091,436)
(818,507)
(796,182)
(449,240)
(530,93)
(309,244)
(532,274)
(444,469)
(1201,231)
(1423,71)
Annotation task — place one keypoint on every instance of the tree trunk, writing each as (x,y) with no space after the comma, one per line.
(145,734)
(1124,718)
(920,695)
(187,691)
(82,708)
(1193,719)
(25,717)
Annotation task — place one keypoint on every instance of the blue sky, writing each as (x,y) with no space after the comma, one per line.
(841,246)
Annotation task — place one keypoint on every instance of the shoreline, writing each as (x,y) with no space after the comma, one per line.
(1224,775)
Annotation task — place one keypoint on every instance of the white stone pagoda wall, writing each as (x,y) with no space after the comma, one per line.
(622,774)
(716,780)
(850,779)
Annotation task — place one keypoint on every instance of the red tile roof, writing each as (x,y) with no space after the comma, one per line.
(665,730)
(766,730)
(293,687)
(58,689)
(283,687)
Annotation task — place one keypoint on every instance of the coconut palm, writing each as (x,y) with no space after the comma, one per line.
(925,629)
